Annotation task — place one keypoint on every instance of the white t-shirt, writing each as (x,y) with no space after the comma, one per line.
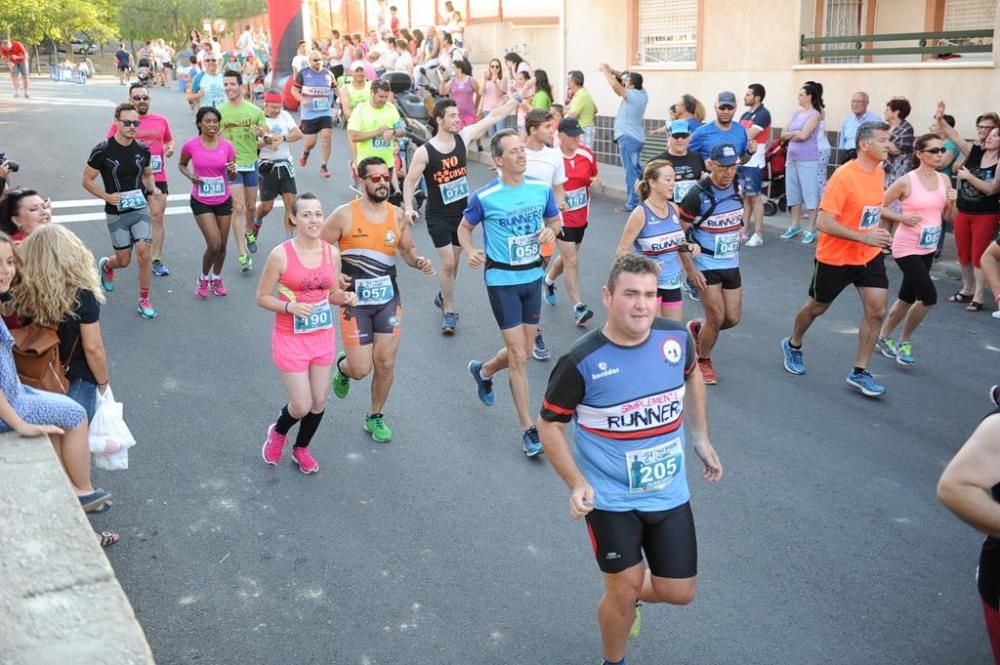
(403,62)
(300,62)
(245,44)
(546,165)
(379,49)
(389,59)
(282,124)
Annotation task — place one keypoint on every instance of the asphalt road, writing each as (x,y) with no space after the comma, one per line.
(824,543)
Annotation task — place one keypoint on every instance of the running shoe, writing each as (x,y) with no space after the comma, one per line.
(530,442)
(484,387)
(996,314)
(107,275)
(791,233)
(707,371)
(323,171)
(439,301)
(217,287)
(694,329)
(304,158)
(550,293)
(251,239)
(302,457)
(866,383)
(146,309)
(995,395)
(755,240)
(202,289)
(159,269)
(793,357)
(633,632)
(582,314)
(694,293)
(904,354)
(375,425)
(274,444)
(341,382)
(449,321)
(809,237)
(540,351)
(887,346)
(246,263)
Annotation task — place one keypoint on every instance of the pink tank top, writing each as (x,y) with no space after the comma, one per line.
(307,285)
(921,238)
(493,94)
(461,92)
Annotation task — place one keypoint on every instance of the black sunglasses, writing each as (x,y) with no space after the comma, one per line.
(141,98)
(934,151)
(129,123)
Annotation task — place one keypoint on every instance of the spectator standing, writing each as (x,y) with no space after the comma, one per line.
(542,98)
(849,127)
(901,139)
(464,90)
(757,123)
(515,63)
(456,28)
(823,148)
(800,168)
(581,106)
(951,150)
(628,130)
(17,62)
(394,21)
(722,130)
(301,59)
(245,44)
(688,166)
(123,59)
(494,94)
(404,61)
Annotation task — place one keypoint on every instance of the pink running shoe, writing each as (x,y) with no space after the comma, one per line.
(217,288)
(274,444)
(202,289)
(304,459)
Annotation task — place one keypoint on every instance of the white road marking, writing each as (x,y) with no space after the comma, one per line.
(99,216)
(62,101)
(92,202)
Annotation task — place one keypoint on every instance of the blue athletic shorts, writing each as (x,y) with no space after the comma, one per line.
(519,304)
(246,178)
(751,180)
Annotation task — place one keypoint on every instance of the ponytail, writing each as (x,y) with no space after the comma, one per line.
(644,187)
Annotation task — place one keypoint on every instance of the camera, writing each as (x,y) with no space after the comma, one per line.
(11,164)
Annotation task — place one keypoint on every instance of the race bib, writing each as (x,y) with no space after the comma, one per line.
(156,163)
(727,245)
(576,199)
(212,186)
(375,291)
(320,319)
(682,187)
(670,281)
(653,469)
(132,200)
(870,217)
(929,237)
(379,142)
(455,190)
(523,249)
(321,104)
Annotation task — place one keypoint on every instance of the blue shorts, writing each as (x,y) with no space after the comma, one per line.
(751,180)
(245,178)
(518,304)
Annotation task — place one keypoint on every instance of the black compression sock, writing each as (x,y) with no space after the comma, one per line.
(858,370)
(308,427)
(797,348)
(285,422)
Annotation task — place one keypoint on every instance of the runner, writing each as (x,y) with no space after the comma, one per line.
(580,167)
(154,133)
(654,230)
(242,125)
(927,196)
(712,213)
(277,174)
(314,87)
(370,233)
(208,87)
(213,166)
(374,127)
(17,63)
(124,166)
(689,167)
(511,210)
(850,252)
(356,92)
(628,475)
(757,122)
(441,162)
(303,271)
(123,59)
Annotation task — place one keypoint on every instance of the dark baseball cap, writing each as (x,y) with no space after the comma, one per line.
(570,127)
(726,98)
(724,154)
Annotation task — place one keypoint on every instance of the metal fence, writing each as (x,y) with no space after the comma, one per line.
(940,44)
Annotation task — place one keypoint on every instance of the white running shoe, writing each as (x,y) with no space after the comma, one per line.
(756,240)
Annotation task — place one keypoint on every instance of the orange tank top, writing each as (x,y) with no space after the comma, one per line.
(368,249)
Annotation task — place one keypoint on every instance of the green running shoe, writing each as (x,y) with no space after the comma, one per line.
(375,425)
(341,382)
(633,632)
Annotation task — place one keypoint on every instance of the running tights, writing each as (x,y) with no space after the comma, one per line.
(307,427)
(917,283)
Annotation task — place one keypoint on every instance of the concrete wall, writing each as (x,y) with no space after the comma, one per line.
(492,40)
(60,603)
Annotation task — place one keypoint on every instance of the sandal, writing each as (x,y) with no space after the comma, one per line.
(108,538)
(974,306)
(958,296)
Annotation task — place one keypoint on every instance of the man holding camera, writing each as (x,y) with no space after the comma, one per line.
(629,134)
(17,62)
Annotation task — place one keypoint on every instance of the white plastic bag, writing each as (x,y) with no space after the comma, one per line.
(109,436)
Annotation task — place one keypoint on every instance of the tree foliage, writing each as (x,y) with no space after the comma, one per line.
(173,19)
(33,21)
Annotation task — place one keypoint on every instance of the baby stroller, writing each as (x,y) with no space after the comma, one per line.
(774,177)
(144,71)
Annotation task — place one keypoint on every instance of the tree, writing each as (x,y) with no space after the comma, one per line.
(173,19)
(34,21)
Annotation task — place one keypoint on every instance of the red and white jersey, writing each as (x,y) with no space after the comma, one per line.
(581,167)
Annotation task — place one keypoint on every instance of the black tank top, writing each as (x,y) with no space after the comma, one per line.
(989,559)
(447,181)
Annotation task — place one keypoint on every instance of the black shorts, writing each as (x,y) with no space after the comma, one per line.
(729,278)
(667,537)
(337,71)
(669,296)
(314,125)
(223,209)
(828,281)
(443,230)
(572,234)
(276,181)
(360,324)
(162,186)
(518,304)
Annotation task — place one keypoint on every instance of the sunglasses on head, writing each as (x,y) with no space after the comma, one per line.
(140,98)
(384,177)
(934,151)
(129,123)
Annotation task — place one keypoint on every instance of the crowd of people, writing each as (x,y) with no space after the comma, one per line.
(690,212)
